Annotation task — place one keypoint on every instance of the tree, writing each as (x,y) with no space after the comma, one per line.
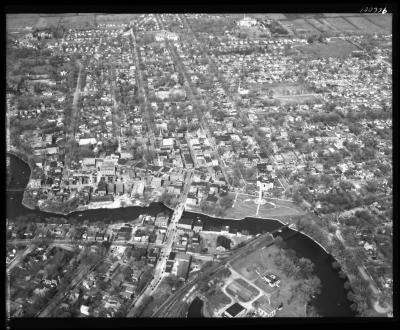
(226,202)
(224,242)
(306,267)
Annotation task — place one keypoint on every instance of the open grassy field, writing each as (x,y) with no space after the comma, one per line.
(335,48)
(297,99)
(244,206)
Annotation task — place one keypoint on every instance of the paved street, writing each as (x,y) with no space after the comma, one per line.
(159,271)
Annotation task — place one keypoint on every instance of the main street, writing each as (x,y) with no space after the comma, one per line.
(159,270)
(195,99)
(141,86)
(71,130)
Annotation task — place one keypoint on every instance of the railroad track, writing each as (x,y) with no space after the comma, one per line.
(169,304)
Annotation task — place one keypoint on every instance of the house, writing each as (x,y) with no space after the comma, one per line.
(198,226)
(85,310)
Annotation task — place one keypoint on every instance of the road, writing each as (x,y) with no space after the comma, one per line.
(69,242)
(79,276)
(232,97)
(141,87)
(166,249)
(363,271)
(195,98)
(74,118)
(19,257)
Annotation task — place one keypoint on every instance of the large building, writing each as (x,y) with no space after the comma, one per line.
(235,310)
(247,22)
(107,168)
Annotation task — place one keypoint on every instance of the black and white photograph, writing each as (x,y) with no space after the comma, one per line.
(199,165)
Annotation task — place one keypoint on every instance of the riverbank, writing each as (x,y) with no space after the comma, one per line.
(332,300)
(126,204)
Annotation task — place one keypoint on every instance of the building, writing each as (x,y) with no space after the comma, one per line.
(170,262)
(266,310)
(119,188)
(85,142)
(161,220)
(183,260)
(272,280)
(166,35)
(107,168)
(185,223)
(247,22)
(198,226)
(235,310)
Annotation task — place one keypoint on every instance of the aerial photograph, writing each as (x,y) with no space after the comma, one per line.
(199,165)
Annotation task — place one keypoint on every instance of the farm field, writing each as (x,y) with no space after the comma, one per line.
(384,21)
(365,25)
(339,14)
(341,24)
(319,26)
(275,16)
(336,48)
(303,25)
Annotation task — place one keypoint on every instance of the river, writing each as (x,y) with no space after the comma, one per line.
(331,302)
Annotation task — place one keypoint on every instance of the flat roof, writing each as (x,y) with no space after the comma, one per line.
(234,309)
